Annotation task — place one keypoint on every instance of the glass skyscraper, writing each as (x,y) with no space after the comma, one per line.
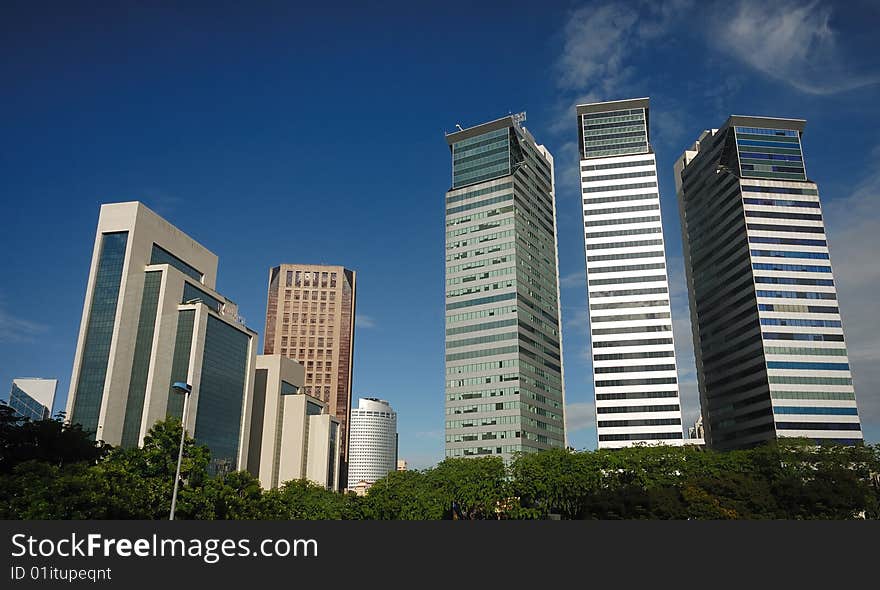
(768,336)
(504,381)
(151,318)
(634,369)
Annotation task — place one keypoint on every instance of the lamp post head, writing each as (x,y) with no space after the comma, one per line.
(181,387)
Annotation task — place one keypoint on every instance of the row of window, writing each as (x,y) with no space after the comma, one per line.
(796,295)
(807,337)
(795,281)
(818,426)
(639,342)
(801,229)
(800,322)
(630,330)
(630,317)
(649,354)
(619,187)
(628,164)
(625,256)
(805,351)
(815,410)
(815,395)
(647,207)
(626,268)
(626,292)
(798,308)
(626,221)
(781,203)
(477,367)
(618,176)
(782,190)
(790,267)
(644,436)
(808,366)
(633,369)
(621,198)
(624,280)
(460,356)
(621,232)
(484,203)
(633,244)
(629,382)
(628,304)
(642,422)
(636,395)
(791,254)
(778,379)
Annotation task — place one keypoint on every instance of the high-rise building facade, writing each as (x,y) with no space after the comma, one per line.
(634,369)
(310,319)
(770,351)
(152,318)
(292,435)
(33,398)
(373,450)
(504,380)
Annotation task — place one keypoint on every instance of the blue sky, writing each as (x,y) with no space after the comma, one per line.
(249,127)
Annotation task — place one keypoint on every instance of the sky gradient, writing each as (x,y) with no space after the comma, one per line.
(272,133)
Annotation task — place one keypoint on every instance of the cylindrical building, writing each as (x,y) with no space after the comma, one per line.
(372,442)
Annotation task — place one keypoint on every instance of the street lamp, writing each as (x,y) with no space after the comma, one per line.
(185,389)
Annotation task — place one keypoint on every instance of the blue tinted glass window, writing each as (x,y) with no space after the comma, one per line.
(140,366)
(192,293)
(99,331)
(161,256)
(808,366)
(221,392)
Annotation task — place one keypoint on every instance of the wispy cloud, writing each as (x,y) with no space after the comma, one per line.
(597,62)
(788,40)
(854,239)
(580,416)
(364,321)
(574,279)
(18,329)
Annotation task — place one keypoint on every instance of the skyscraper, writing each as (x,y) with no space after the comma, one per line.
(768,337)
(373,453)
(634,369)
(504,381)
(310,319)
(151,318)
(33,397)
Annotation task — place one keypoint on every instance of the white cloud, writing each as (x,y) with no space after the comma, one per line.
(790,41)
(854,239)
(580,416)
(16,329)
(364,321)
(574,279)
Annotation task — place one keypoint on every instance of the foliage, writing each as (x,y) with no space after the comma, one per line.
(51,470)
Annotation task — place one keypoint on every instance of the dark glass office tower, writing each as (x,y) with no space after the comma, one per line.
(504,382)
(768,337)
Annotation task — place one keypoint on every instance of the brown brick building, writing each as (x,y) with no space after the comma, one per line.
(310,319)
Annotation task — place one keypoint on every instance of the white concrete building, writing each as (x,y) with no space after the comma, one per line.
(292,435)
(151,318)
(373,441)
(634,367)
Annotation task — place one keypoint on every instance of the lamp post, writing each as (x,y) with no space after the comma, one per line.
(185,389)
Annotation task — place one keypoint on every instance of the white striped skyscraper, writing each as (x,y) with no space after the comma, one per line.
(768,337)
(634,369)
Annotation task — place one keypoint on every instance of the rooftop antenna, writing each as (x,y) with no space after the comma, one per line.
(459,127)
